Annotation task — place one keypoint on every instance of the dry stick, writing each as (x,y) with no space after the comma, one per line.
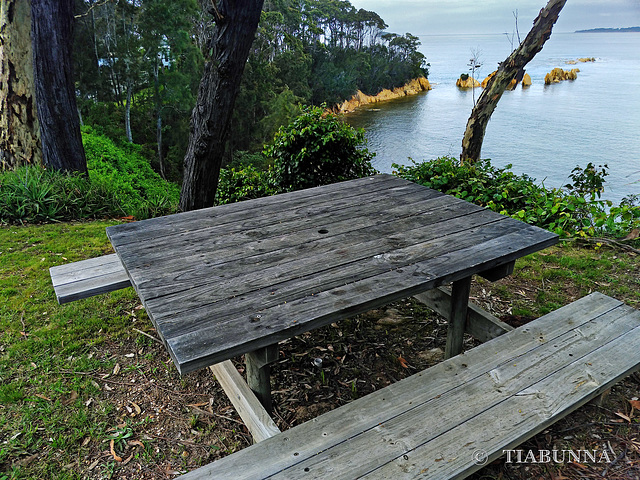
(618,458)
(150,336)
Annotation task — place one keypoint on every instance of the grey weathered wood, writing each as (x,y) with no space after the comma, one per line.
(284,320)
(243,211)
(492,398)
(255,417)
(86,278)
(498,272)
(305,259)
(481,325)
(259,373)
(457,317)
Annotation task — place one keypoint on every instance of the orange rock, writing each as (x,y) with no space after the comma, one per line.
(470,82)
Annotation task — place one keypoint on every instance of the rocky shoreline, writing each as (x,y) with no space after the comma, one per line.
(413,87)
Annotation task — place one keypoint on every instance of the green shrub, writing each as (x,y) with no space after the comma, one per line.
(244,183)
(317,148)
(120,182)
(574,210)
(139,190)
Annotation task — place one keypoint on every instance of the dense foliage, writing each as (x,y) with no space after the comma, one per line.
(138,65)
(575,209)
(314,52)
(120,183)
(317,148)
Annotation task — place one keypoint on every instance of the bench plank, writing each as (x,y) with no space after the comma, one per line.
(78,280)
(541,369)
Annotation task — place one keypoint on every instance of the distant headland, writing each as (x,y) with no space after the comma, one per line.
(609,30)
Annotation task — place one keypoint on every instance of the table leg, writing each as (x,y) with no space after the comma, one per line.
(259,373)
(457,320)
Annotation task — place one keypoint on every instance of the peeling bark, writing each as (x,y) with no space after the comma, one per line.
(227,52)
(482,111)
(19,128)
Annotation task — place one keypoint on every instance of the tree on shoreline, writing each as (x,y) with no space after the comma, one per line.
(488,101)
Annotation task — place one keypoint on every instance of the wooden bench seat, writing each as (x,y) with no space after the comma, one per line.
(84,279)
(436,423)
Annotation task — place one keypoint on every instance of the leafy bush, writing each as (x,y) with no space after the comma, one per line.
(574,210)
(317,148)
(139,190)
(120,182)
(244,183)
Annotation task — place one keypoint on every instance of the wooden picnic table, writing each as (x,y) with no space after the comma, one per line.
(238,278)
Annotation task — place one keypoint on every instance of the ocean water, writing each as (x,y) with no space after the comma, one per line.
(543,131)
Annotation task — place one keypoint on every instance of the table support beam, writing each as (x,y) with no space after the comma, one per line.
(481,325)
(457,320)
(259,373)
(255,417)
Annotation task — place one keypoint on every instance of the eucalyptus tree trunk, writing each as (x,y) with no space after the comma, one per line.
(227,51)
(482,111)
(52,39)
(19,128)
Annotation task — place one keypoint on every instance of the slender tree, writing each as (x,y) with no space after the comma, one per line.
(19,129)
(482,111)
(52,39)
(227,50)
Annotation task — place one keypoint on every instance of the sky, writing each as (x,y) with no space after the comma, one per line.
(439,17)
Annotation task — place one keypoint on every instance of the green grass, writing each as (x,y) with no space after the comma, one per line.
(42,400)
(46,349)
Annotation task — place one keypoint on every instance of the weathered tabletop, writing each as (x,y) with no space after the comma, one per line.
(228,280)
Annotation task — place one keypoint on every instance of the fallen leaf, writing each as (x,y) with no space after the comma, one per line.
(635,404)
(635,233)
(73,396)
(116,369)
(86,441)
(113,452)
(94,464)
(136,442)
(43,397)
(403,362)
(623,416)
(138,409)
(198,404)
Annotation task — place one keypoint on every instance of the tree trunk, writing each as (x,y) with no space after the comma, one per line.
(19,128)
(127,112)
(52,39)
(533,43)
(236,24)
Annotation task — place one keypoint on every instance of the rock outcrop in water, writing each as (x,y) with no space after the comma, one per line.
(558,75)
(580,60)
(465,81)
(413,87)
(526,81)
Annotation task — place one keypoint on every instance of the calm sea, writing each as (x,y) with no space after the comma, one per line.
(544,131)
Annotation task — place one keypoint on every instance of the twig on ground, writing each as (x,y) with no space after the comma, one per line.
(150,336)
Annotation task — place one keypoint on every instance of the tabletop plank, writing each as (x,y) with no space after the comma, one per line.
(299,261)
(192,350)
(287,256)
(250,210)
